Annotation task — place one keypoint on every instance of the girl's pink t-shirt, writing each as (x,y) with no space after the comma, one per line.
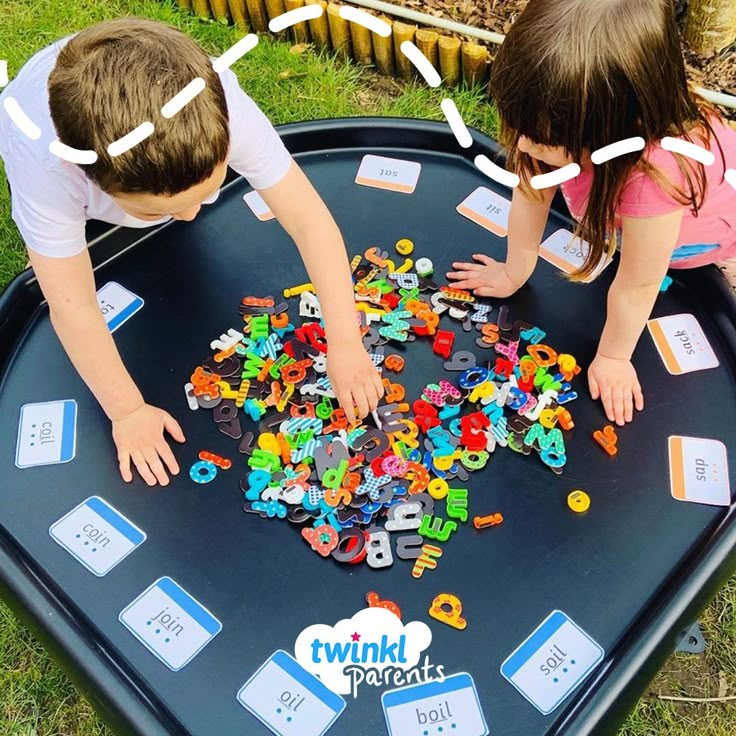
(708,238)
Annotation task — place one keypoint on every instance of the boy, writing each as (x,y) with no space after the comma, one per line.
(88,92)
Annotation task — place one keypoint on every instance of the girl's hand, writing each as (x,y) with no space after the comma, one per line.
(354,378)
(614,381)
(485,278)
(139,437)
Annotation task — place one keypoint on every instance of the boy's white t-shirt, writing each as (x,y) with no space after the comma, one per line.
(52,199)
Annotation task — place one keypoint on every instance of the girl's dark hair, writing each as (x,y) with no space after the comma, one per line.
(583,74)
(115,75)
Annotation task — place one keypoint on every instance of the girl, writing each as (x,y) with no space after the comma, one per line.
(574,76)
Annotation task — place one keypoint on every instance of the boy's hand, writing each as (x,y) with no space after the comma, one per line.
(614,381)
(139,437)
(354,378)
(486,278)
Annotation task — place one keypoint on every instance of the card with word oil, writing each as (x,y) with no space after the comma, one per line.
(170,623)
(568,253)
(97,535)
(433,708)
(258,207)
(682,344)
(393,174)
(487,209)
(699,471)
(289,700)
(47,433)
(552,662)
(117,304)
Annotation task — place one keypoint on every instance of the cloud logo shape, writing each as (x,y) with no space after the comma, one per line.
(373,638)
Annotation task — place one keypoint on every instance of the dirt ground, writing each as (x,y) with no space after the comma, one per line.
(717,72)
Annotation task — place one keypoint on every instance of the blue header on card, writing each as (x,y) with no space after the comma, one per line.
(113,518)
(205,619)
(309,681)
(120,317)
(533,644)
(428,690)
(68,430)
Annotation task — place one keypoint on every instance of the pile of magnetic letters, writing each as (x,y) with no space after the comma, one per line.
(350,488)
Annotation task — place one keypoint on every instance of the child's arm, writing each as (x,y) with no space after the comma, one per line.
(138,429)
(527,220)
(303,215)
(646,249)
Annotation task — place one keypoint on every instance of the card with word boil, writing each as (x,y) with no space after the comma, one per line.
(552,662)
(289,700)
(170,623)
(434,708)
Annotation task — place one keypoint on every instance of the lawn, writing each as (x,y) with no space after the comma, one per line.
(36,698)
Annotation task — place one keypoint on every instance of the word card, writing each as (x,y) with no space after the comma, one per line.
(433,708)
(552,662)
(682,344)
(568,253)
(117,304)
(170,623)
(97,535)
(699,471)
(258,207)
(289,700)
(388,173)
(47,433)
(487,209)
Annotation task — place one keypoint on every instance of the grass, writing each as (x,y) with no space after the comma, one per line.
(36,699)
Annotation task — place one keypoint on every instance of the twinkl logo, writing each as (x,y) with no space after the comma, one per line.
(358,652)
(373,647)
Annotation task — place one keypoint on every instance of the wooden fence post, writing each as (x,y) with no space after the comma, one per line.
(383,49)
(449,53)
(221,11)
(201,8)
(257,15)
(239,14)
(475,64)
(300,30)
(339,32)
(320,27)
(362,44)
(403,32)
(710,25)
(426,42)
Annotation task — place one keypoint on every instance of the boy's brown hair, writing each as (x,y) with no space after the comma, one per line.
(583,74)
(118,74)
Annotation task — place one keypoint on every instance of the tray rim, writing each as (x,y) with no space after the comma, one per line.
(130,707)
